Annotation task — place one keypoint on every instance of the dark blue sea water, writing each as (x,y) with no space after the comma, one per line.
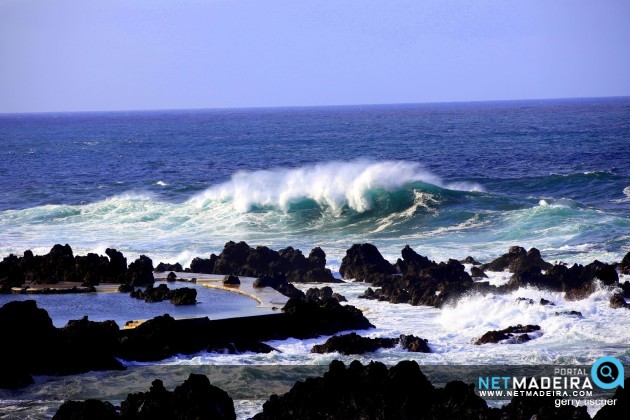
(448,179)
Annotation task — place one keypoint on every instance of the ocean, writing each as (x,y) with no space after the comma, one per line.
(450,180)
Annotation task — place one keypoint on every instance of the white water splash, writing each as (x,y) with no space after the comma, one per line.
(332,185)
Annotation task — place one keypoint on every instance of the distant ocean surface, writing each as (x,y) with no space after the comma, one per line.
(450,180)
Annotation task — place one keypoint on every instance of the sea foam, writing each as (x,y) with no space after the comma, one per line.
(332,185)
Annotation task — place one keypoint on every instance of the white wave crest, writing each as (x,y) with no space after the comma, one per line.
(331,185)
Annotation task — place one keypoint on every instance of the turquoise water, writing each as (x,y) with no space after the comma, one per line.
(447,179)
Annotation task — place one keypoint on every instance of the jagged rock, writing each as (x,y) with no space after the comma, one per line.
(164,267)
(196,398)
(624,266)
(26,329)
(364,259)
(125,288)
(477,272)
(203,265)
(324,293)
(325,316)
(140,272)
(617,301)
(35,347)
(231,280)
(516,335)
(240,259)
(414,344)
(375,392)
(317,258)
(91,346)
(626,289)
(470,260)
(269,281)
(412,263)
(339,297)
(545,302)
(181,296)
(518,260)
(86,410)
(353,344)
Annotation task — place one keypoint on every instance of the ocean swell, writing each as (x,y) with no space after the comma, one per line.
(331,185)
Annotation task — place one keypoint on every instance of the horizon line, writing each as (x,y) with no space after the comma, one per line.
(311,106)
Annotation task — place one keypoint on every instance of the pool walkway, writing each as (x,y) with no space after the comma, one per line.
(269,300)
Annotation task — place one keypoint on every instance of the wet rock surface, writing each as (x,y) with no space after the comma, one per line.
(362,260)
(510,335)
(242,260)
(355,344)
(180,296)
(196,398)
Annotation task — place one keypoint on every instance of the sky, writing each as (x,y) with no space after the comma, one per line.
(98,55)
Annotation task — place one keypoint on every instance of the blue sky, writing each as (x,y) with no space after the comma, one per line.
(79,55)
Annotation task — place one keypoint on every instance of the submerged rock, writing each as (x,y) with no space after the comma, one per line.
(180,296)
(353,344)
(511,335)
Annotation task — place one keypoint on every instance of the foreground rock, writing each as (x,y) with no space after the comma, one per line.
(242,260)
(196,398)
(35,347)
(621,408)
(374,392)
(181,296)
(510,335)
(355,344)
(61,265)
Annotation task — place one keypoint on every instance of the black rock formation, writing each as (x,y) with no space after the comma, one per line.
(512,335)
(362,260)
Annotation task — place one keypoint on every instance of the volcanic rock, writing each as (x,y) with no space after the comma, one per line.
(231,280)
(364,259)
(515,335)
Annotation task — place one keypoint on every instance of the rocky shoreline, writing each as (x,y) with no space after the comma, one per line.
(356,391)
(84,345)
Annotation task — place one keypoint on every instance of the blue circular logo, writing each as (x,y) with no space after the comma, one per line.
(607,372)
